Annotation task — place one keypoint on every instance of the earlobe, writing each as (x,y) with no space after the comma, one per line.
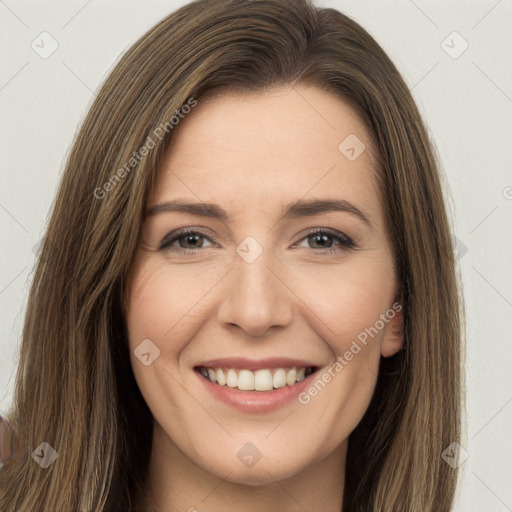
(392,339)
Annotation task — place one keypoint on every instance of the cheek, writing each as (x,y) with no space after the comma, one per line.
(158,315)
(340,393)
(166,301)
(167,305)
(347,300)
(346,305)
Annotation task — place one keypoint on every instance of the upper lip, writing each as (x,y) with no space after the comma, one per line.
(242,363)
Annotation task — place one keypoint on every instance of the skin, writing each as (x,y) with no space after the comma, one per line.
(252,155)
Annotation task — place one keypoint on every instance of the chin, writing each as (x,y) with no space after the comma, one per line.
(262,474)
(264,471)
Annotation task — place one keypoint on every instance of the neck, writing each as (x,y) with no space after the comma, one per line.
(175,483)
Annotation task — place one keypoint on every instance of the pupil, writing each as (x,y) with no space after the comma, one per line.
(187,237)
(323,237)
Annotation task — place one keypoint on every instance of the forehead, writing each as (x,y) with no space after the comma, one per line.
(251,151)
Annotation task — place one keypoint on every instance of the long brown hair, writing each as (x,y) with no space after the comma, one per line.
(75,388)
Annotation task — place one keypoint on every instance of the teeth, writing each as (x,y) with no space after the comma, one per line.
(291,377)
(221,378)
(279,379)
(259,380)
(263,380)
(245,380)
(232,380)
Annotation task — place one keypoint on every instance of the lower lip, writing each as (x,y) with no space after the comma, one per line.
(256,401)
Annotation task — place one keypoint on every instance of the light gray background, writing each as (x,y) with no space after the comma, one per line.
(467,104)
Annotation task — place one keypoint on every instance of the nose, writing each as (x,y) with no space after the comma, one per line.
(256,296)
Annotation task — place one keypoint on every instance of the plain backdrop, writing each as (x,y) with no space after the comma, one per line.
(455,56)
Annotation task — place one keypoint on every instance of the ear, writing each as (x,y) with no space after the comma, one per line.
(392,338)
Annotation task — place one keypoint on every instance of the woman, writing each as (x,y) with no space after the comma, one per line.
(254,370)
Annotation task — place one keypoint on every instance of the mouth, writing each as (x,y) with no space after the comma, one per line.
(262,379)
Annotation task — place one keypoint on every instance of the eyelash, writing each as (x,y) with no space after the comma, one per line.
(344,241)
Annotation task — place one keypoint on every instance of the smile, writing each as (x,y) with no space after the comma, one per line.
(264,379)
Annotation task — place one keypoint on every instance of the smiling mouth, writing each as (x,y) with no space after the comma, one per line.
(264,379)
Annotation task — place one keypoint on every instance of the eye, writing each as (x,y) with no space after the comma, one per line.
(193,240)
(190,237)
(321,236)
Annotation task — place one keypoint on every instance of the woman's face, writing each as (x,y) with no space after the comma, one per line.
(256,297)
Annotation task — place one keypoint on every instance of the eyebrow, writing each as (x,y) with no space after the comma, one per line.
(298,209)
